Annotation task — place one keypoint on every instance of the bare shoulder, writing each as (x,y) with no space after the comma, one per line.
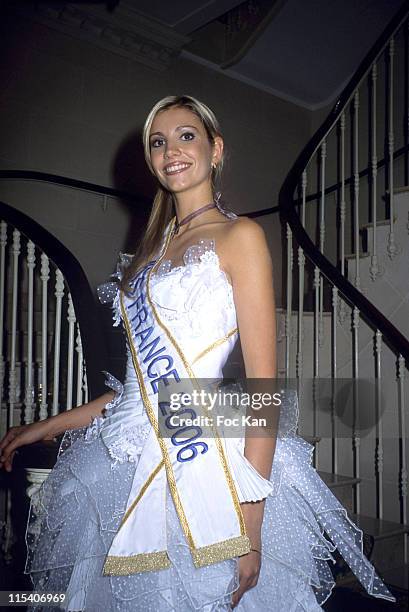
(240,235)
(244,244)
(247,230)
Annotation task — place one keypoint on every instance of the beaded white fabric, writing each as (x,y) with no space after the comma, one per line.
(192,255)
(76,513)
(196,300)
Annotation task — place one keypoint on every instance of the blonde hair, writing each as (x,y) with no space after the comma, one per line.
(163,208)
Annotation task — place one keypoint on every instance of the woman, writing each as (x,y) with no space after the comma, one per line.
(131,518)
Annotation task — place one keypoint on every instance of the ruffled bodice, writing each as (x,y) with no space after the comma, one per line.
(195,301)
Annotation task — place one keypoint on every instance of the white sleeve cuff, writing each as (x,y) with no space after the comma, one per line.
(250,484)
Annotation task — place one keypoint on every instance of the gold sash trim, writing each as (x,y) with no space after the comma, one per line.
(141,492)
(215,344)
(214,553)
(145,562)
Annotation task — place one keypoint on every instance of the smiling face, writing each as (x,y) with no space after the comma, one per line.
(181,153)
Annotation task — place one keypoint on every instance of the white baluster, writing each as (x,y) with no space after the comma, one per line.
(59,294)
(300,331)
(45,276)
(316,356)
(342,311)
(85,384)
(288,315)
(356,187)
(15,250)
(322,199)
(321,317)
(392,247)
(316,319)
(356,441)
(36,478)
(18,378)
(379,427)
(322,239)
(334,376)
(403,473)
(29,391)
(301,268)
(70,371)
(12,376)
(3,243)
(80,364)
(374,268)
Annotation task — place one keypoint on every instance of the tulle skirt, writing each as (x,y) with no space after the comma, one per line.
(76,513)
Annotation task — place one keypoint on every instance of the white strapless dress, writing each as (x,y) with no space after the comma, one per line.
(77,511)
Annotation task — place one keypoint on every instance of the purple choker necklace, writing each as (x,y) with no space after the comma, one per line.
(192,215)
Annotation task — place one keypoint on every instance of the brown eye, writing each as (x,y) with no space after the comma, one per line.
(189,135)
(156,143)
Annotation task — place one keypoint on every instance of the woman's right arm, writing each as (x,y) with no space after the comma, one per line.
(47,429)
(80,415)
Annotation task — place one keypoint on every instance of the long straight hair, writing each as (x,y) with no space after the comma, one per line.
(163,207)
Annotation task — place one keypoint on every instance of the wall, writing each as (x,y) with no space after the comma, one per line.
(70,108)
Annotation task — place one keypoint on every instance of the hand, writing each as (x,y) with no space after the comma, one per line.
(21,435)
(249,570)
(250,564)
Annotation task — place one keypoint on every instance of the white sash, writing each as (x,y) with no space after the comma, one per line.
(196,470)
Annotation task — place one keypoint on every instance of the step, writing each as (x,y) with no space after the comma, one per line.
(311,439)
(379,528)
(342,487)
(352,256)
(334,481)
(307,313)
(383,223)
(388,541)
(383,545)
(398,190)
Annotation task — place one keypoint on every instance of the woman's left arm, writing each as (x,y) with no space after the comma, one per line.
(249,265)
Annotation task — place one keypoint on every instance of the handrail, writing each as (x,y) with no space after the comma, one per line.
(57,179)
(391,335)
(93,340)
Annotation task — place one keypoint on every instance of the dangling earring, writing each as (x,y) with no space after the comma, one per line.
(213,166)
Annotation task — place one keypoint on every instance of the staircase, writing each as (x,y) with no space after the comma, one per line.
(390,294)
(50,331)
(343,337)
(390,290)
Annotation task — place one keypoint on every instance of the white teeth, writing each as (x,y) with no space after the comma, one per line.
(176,167)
